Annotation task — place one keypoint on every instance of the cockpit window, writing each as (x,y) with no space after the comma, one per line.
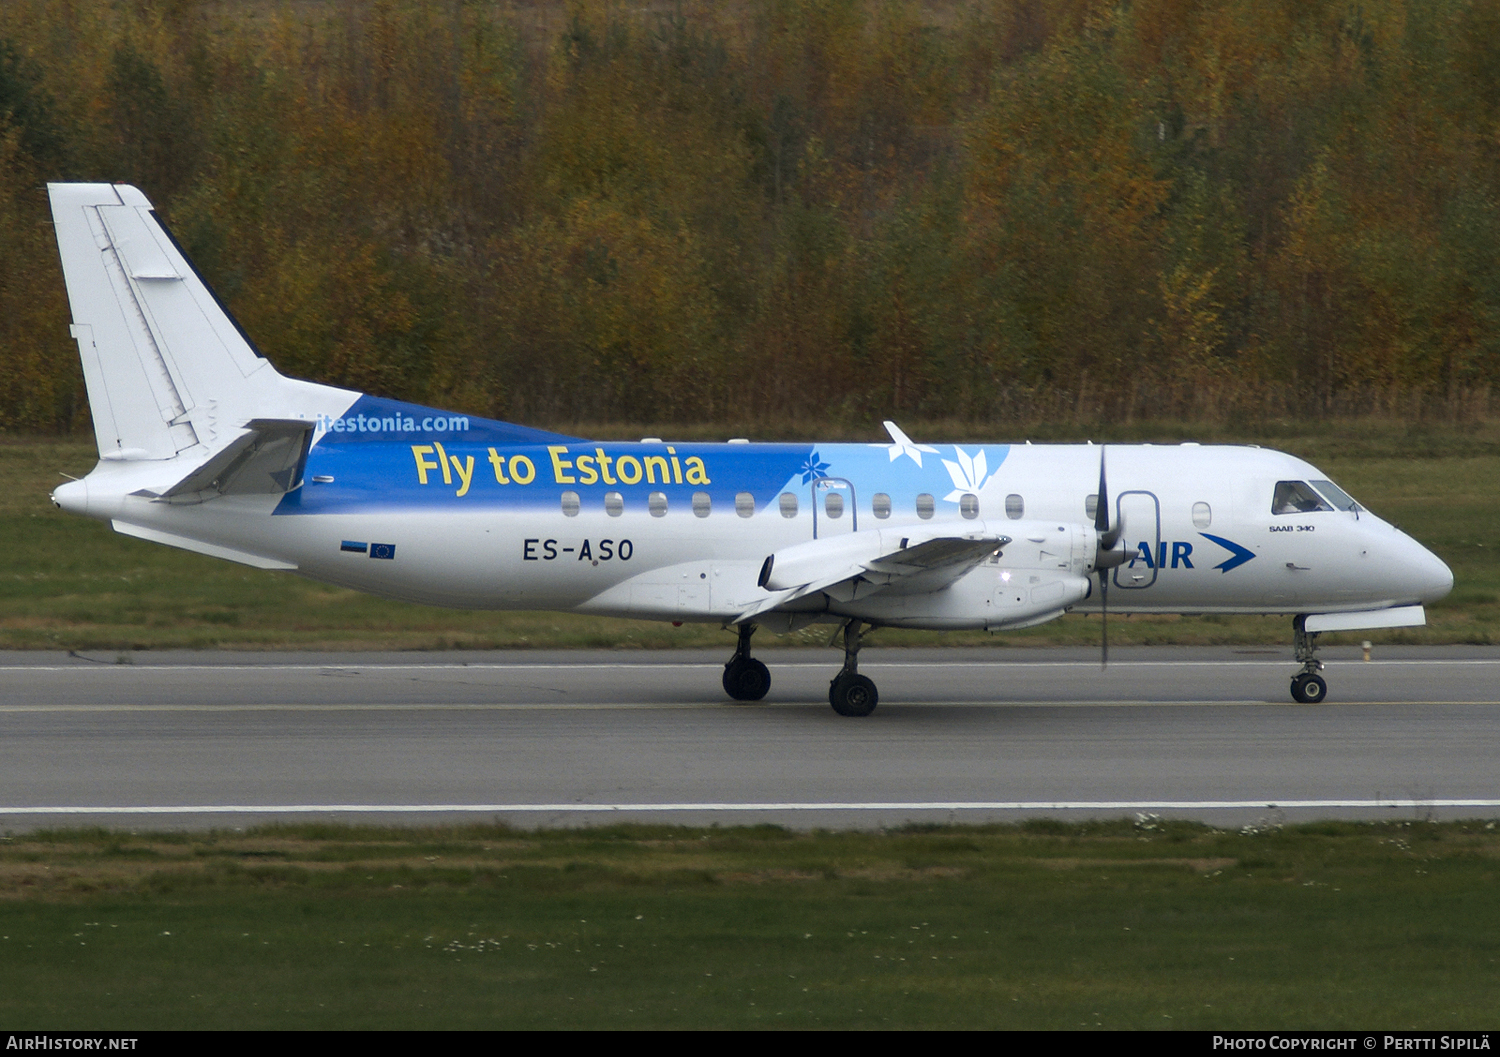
(1295,497)
(1340,499)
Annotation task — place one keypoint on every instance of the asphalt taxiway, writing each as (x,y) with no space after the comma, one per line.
(190,740)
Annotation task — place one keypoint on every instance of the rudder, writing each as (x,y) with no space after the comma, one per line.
(167,368)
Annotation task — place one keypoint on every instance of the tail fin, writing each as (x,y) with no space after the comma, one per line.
(167,368)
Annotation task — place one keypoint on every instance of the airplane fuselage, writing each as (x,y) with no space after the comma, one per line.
(456,517)
(203,445)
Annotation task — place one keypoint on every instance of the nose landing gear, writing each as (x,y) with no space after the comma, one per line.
(745,678)
(850,693)
(1308,687)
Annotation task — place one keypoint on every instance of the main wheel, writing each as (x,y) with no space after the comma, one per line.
(746,679)
(1309,689)
(853,695)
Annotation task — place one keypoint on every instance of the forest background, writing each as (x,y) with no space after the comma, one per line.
(770,211)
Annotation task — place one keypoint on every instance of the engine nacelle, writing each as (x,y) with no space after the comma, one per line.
(823,559)
(1039,569)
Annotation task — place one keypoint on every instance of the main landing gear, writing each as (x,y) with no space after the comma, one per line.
(745,678)
(850,693)
(1308,687)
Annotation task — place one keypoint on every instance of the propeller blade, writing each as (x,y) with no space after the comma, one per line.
(1108,537)
(1101,511)
(1103,620)
(1105,559)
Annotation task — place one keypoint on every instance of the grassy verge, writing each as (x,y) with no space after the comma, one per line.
(1113,924)
(68,583)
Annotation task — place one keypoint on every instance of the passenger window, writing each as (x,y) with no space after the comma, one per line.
(788,504)
(1295,497)
(744,504)
(925,506)
(1091,506)
(656,502)
(968,505)
(614,504)
(1203,515)
(880,505)
(570,504)
(1015,507)
(702,504)
(833,505)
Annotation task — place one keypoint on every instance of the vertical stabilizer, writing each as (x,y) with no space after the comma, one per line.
(168,370)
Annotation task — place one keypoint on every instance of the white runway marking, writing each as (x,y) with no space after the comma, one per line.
(706,665)
(715,706)
(959,805)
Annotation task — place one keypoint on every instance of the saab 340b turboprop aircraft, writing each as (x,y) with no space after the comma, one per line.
(204,446)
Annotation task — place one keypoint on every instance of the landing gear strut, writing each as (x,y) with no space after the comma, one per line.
(1308,687)
(850,693)
(745,678)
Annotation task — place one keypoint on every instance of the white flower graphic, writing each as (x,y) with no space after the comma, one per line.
(969,474)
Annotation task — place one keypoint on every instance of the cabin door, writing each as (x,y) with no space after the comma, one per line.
(833,507)
(1140,512)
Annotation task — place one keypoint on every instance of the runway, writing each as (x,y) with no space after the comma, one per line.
(191,740)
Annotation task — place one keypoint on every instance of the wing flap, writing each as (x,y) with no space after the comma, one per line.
(938,555)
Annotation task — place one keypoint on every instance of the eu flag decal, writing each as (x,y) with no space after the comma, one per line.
(354,545)
(382,550)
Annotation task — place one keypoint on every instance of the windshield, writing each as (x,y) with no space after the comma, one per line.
(1295,497)
(1340,499)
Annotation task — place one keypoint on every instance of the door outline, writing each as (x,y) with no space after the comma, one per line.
(1129,583)
(820,489)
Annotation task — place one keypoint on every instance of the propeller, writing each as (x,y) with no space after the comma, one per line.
(1106,557)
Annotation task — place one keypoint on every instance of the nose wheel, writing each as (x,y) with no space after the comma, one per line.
(1308,687)
(850,693)
(745,678)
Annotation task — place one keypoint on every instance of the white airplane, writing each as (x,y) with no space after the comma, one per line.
(204,446)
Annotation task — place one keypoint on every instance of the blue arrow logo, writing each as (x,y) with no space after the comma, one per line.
(1237,555)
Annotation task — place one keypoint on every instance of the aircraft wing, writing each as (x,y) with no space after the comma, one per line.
(946,558)
(912,568)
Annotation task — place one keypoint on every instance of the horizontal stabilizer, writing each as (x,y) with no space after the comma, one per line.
(267,460)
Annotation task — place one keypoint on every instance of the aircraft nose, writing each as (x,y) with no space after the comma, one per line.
(1440,579)
(1425,575)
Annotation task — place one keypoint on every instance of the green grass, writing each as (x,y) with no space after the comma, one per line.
(1047,925)
(70,583)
